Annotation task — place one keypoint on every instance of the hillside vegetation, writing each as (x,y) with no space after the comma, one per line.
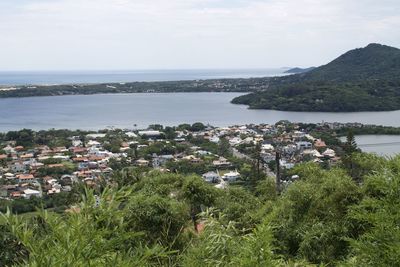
(345,216)
(364,79)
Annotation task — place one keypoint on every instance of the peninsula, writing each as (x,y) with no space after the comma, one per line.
(212,85)
(364,79)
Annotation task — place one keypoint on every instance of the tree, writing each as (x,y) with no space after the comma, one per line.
(222,244)
(91,235)
(128,176)
(12,252)
(378,217)
(308,220)
(198,194)
(350,145)
(23,137)
(198,126)
(169,133)
(239,206)
(224,148)
(162,219)
(156,127)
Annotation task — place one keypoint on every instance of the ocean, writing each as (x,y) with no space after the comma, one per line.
(8,78)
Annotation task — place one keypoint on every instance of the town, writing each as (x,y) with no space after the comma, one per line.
(222,156)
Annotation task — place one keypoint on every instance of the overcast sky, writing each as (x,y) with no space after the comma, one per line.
(180,34)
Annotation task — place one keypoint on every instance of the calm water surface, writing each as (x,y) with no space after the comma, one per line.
(125,110)
(67,77)
(384,145)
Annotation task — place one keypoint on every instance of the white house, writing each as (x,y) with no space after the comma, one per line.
(28,193)
(313,153)
(211,177)
(221,162)
(267,147)
(303,145)
(231,176)
(93,143)
(214,139)
(8,149)
(95,136)
(329,153)
(298,134)
(131,134)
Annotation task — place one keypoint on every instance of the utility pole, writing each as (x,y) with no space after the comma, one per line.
(278,172)
(257,155)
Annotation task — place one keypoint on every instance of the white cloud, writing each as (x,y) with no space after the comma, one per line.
(137,34)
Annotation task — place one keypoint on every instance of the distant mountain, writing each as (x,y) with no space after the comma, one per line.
(363,79)
(371,62)
(299,70)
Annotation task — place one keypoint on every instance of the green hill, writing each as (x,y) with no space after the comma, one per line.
(299,70)
(363,79)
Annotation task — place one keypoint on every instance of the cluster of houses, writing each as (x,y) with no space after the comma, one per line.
(294,146)
(38,171)
(42,170)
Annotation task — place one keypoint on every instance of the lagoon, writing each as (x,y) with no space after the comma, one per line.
(126,110)
(383,145)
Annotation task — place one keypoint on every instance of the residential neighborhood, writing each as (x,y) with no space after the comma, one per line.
(220,155)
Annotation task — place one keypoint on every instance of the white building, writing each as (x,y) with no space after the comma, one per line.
(267,147)
(131,134)
(211,177)
(303,145)
(329,153)
(95,136)
(231,176)
(28,193)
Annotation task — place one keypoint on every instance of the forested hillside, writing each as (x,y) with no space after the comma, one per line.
(345,216)
(364,79)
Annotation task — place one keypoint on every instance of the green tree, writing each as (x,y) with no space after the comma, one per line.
(222,244)
(308,220)
(162,219)
(169,133)
(224,148)
(198,126)
(350,146)
(378,216)
(199,195)
(12,252)
(95,233)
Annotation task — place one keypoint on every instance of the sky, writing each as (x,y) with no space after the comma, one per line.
(189,34)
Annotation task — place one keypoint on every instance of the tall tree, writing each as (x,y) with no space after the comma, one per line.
(350,145)
(224,148)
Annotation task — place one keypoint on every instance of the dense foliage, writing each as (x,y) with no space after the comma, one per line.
(346,216)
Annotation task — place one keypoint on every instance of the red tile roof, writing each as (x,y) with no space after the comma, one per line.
(25,176)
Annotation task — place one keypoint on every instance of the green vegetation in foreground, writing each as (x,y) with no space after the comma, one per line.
(345,216)
(365,79)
